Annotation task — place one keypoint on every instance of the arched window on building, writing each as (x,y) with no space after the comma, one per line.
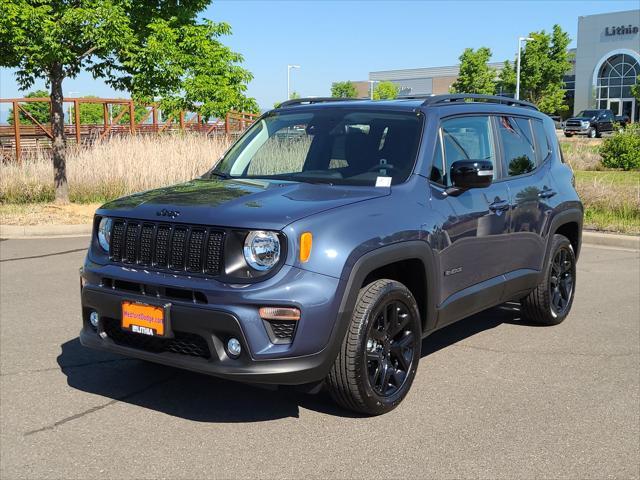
(613,87)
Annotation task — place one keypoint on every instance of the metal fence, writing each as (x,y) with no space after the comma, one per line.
(19,137)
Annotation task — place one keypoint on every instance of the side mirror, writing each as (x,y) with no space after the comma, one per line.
(471,174)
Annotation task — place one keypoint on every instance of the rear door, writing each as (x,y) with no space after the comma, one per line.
(524,150)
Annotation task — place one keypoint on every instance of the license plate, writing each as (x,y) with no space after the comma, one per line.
(144,319)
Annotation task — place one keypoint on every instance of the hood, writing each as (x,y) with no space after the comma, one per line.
(238,203)
(581,119)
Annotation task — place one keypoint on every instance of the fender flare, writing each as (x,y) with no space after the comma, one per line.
(380,257)
(573,215)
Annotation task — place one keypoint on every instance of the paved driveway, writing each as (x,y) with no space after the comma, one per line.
(493,398)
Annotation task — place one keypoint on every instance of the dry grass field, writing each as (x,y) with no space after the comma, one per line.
(125,165)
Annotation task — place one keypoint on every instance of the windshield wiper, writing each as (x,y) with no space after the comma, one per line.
(224,176)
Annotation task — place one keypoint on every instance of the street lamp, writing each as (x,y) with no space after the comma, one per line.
(371,84)
(70,116)
(289,67)
(520,40)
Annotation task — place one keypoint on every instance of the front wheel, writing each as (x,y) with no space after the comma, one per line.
(569,135)
(379,355)
(593,133)
(550,302)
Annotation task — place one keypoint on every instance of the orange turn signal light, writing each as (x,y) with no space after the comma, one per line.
(306,242)
(279,313)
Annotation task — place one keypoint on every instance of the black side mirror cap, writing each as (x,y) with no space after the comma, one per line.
(467,174)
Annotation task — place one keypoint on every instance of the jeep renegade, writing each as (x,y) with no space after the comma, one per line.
(332,237)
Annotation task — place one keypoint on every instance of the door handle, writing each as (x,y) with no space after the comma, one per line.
(546,193)
(499,206)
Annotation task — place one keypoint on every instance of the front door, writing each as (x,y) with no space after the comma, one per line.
(628,109)
(475,228)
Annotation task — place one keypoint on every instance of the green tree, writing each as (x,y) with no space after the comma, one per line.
(385,91)
(39,110)
(159,49)
(506,83)
(294,95)
(545,61)
(343,90)
(635,89)
(475,74)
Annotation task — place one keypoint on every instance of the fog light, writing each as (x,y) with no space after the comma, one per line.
(234,348)
(93,318)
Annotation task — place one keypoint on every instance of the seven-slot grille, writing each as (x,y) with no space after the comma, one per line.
(176,247)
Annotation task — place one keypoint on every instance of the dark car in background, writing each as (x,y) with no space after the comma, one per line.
(334,236)
(593,123)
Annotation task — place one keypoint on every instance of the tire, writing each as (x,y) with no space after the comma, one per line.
(593,133)
(375,368)
(541,306)
(568,134)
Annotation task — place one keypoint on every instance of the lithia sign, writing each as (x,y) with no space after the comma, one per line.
(621,30)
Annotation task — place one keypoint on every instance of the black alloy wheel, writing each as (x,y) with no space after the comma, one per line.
(561,277)
(390,348)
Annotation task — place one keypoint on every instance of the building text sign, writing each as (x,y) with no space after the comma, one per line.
(621,30)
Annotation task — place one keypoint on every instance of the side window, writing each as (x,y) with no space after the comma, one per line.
(543,148)
(467,138)
(608,116)
(437,172)
(517,145)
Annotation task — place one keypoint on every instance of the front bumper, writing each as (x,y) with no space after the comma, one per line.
(227,313)
(577,130)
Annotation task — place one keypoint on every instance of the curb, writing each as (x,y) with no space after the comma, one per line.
(611,240)
(35,231)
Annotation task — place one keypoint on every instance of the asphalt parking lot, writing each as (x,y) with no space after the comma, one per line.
(493,398)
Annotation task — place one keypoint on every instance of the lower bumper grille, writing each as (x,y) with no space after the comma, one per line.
(183,343)
(281,331)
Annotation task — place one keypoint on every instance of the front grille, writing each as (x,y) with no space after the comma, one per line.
(573,123)
(183,343)
(175,247)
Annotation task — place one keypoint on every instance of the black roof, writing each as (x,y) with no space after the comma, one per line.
(411,102)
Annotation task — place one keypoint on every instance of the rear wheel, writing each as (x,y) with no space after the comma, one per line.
(379,355)
(568,134)
(550,302)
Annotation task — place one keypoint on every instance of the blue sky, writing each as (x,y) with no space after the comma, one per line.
(345,40)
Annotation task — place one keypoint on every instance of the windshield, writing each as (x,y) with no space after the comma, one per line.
(588,113)
(328,145)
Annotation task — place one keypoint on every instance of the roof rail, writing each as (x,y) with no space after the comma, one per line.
(474,97)
(312,100)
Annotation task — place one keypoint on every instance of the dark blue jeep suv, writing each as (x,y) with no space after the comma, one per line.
(332,237)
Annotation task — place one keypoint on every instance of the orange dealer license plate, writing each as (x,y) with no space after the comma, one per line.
(145,319)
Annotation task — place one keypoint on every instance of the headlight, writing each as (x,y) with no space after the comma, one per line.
(585,124)
(262,250)
(104,233)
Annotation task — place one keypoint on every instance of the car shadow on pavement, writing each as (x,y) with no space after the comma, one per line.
(202,398)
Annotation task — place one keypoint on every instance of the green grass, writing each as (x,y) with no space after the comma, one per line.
(611,200)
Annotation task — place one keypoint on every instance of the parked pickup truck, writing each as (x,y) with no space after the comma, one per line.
(593,123)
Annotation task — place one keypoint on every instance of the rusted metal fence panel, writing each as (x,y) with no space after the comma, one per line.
(19,137)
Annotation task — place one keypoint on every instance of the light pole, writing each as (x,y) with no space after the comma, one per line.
(70,116)
(520,40)
(371,84)
(289,67)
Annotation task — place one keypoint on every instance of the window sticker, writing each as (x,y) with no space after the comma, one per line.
(383,182)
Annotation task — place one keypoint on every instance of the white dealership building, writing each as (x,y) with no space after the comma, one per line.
(607,62)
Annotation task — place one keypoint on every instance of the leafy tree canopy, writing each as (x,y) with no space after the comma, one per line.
(545,61)
(344,90)
(385,91)
(475,74)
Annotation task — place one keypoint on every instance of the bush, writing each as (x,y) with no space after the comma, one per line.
(622,150)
